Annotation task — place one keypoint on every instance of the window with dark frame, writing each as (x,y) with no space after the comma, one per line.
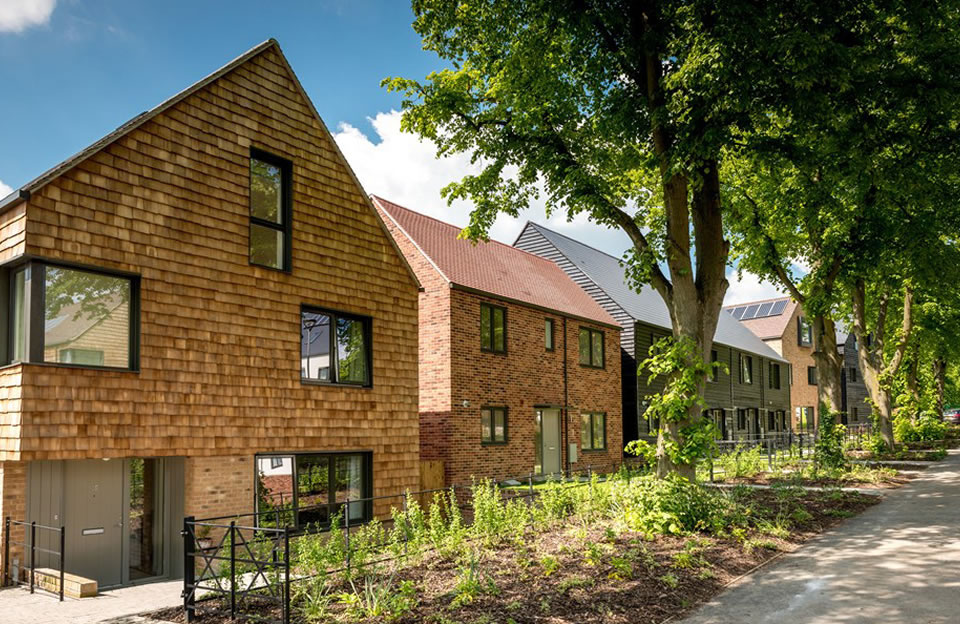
(270,210)
(548,327)
(335,347)
(853,374)
(493,425)
(714,367)
(774,376)
(804,332)
(493,328)
(746,369)
(68,315)
(741,419)
(310,489)
(812,375)
(593,431)
(591,347)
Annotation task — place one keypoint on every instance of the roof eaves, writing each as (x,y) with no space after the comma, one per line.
(492,295)
(413,241)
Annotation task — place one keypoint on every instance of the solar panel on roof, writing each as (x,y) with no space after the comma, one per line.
(751,312)
(764,309)
(738,313)
(778,307)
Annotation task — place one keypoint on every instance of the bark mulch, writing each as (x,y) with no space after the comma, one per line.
(887,482)
(587,575)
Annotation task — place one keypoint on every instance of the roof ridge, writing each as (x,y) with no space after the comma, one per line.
(451,225)
(573,240)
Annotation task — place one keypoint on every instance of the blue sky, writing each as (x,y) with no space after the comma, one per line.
(75,69)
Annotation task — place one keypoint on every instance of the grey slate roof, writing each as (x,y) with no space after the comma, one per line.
(646,306)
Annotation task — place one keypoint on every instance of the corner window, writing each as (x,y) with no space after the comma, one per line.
(64,315)
(493,425)
(593,431)
(812,375)
(310,489)
(714,369)
(746,369)
(591,347)
(548,327)
(335,348)
(804,332)
(493,328)
(270,210)
(774,376)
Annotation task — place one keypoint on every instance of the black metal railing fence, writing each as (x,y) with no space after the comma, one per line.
(33,532)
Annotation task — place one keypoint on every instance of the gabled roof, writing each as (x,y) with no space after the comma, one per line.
(24,192)
(646,306)
(494,268)
(767,318)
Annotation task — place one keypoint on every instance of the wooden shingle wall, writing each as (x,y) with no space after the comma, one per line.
(220,339)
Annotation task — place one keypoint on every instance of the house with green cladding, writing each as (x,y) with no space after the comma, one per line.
(750,398)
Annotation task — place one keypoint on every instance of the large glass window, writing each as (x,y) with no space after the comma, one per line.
(493,328)
(18,327)
(269,211)
(334,347)
(591,347)
(746,369)
(324,483)
(86,318)
(593,431)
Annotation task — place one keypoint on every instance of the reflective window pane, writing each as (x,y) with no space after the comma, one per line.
(86,318)
(275,491)
(313,489)
(266,191)
(315,346)
(349,484)
(597,359)
(19,337)
(266,246)
(500,425)
(486,425)
(486,340)
(548,334)
(499,330)
(584,346)
(351,351)
(599,441)
(585,432)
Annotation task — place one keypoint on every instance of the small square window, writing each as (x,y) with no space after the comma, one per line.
(493,425)
(335,347)
(591,347)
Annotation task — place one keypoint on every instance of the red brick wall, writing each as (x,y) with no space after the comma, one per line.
(527,375)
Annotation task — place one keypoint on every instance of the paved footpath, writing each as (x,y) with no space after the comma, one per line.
(896,563)
(18,606)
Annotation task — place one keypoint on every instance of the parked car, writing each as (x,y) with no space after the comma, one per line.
(952,416)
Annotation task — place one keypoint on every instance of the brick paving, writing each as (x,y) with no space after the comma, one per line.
(115,606)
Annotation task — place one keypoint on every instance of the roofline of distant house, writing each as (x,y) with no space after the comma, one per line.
(534,306)
(779,358)
(757,302)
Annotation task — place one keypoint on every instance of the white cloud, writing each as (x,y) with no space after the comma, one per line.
(403,169)
(749,288)
(4,190)
(18,15)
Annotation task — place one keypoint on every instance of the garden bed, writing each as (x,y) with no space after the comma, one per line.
(900,455)
(883,481)
(583,571)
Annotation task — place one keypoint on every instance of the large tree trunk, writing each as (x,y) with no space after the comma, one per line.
(940,381)
(829,365)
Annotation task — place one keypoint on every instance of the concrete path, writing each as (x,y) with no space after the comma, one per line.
(18,606)
(896,563)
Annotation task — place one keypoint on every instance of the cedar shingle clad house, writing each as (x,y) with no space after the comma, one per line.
(202,301)
(782,325)
(519,368)
(753,399)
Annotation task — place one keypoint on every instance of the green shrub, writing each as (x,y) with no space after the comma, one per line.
(742,462)
(672,506)
(927,428)
(828,448)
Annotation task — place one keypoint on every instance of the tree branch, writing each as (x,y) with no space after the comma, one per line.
(905,332)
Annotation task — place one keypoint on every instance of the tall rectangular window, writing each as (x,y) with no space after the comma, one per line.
(335,347)
(853,374)
(591,347)
(746,369)
(548,334)
(18,325)
(493,425)
(86,318)
(812,375)
(804,332)
(774,376)
(493,328)
(270,210)
(714,368)
(593,431)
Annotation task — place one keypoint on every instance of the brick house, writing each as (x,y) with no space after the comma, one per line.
(201,301)
(782,325)
(518,366)
(751,400)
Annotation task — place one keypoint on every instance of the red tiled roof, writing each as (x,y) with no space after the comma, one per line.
(768,327)
(495,268)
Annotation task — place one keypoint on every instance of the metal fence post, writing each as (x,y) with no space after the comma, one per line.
(6,551)
(710,459)
(530,484)
(33,552)
(769,454)
(189,569)
(63,549)
(346,516)
(233,569)
(286,575)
